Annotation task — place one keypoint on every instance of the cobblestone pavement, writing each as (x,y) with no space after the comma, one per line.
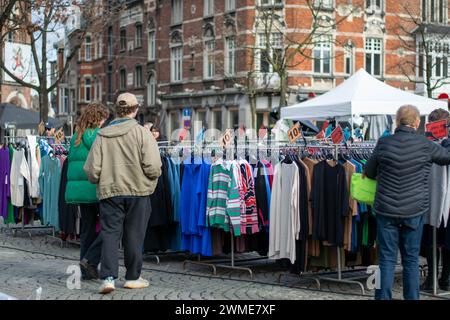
(28,264)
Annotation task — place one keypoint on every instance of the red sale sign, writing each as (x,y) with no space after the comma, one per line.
(337,135)
(437,129)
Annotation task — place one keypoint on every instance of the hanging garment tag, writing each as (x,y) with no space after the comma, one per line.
(6,179)
(20,182)
(295,133)
(337,135)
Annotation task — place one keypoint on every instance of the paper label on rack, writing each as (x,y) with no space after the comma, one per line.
(295,133)
(255,172)
(6,179)
(20,182)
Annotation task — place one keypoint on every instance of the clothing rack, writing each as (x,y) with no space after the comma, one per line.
(26,229)
(231,263)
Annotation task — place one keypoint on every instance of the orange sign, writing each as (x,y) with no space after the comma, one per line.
(295,133)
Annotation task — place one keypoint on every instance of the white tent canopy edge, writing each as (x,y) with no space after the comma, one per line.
(361,94)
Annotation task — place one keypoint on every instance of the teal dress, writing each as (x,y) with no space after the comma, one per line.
(49,183)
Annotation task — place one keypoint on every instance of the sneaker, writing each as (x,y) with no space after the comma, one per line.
(88,271)
(107,285)
(427,285)
(136,284)
(444,284)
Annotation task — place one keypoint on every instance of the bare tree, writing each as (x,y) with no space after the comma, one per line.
(280,50)
(6,7)
(425,44)
(38,19)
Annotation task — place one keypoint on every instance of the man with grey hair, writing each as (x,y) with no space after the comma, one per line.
(401,164)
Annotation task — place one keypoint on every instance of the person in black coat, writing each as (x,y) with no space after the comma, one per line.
(401,163)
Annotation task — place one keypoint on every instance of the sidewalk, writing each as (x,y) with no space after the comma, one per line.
(28,264)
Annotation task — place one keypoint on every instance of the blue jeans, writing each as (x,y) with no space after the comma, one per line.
(404,234)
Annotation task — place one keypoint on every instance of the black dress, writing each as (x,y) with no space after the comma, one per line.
(330,203)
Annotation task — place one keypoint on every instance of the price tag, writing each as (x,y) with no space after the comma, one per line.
(226,138)
(337,135)
(437,129)
(295,133)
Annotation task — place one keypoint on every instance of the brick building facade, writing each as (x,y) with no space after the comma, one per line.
(16,53)
(198,54)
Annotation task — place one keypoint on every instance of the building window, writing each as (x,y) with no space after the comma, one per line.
(177,11)
(123,40)
(138,36)
(233,121)
(322,55)
(99,90)
(270,2)
(177,64)
(110,83)
(217,119)
(441,11)
(230,5)
(209,59)
(269,55)
(11,36)
(151,46)
(94,90)
(174,121)
(64,92)
(87,48)
(87,90)
(323,4)
(373,56)
(424,10)
(95,49)
(110,43)
(348,60)
(200,116)
(151,90)
(375,5)
(230,56)
(209,7)
(100,47)
(138,75)
(123,79)
(73,97)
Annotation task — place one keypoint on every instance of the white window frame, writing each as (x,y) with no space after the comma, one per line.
(230,5)
(138,36)
(86,87)
(177,12)
(138,76)
(376,5)
(323,4)
(123,80)
(88,48)
(152,45)
(323,47)
(276,43)
(270,2)
(230,55)
(208,8)
(151,90)
(373,47)
(209,59)
(176,64)
(100,47)
(349,60)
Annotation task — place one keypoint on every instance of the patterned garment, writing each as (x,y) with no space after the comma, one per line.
(249,213)
(223,202)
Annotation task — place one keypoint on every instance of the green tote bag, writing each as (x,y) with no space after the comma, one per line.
(363,190)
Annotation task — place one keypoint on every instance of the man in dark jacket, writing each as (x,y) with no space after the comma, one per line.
(401,164)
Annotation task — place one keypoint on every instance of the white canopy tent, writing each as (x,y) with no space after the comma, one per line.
(361,94)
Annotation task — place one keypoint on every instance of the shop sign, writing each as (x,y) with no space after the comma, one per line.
(295,133)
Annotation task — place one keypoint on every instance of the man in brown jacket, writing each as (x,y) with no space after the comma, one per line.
(125,164)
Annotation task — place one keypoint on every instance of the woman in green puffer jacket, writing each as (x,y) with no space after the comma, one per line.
(81,192)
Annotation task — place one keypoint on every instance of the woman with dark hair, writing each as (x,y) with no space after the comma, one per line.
(80,191)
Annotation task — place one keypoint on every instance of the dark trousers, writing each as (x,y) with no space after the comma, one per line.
(394,234)
(127,217)
(90,243)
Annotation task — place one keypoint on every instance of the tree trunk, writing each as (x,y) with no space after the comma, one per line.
(43,106)
(252,100)
(283,91)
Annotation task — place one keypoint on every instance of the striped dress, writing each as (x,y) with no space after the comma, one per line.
(223,203)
